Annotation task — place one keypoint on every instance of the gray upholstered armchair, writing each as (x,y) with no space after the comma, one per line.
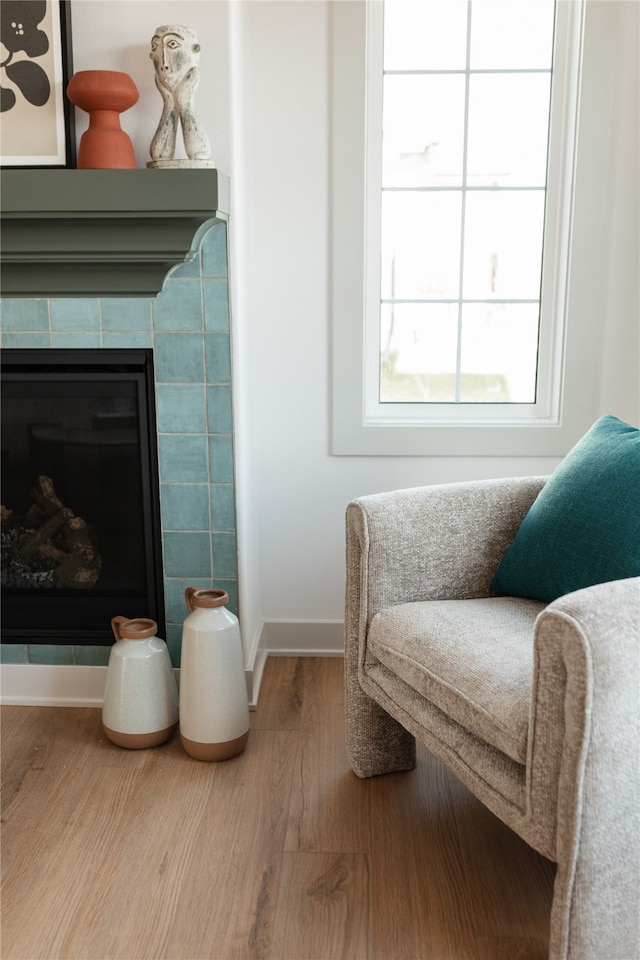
(534,707)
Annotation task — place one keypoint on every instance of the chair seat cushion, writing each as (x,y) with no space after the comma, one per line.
(473,659)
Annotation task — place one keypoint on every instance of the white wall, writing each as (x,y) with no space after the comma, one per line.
(618,385)
(264,99)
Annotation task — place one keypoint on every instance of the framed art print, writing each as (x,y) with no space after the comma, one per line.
(36,117)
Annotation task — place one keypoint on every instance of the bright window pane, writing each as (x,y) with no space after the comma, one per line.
(503,244)
(465,123)
(498,353)
(508,126)
(418,350)
(425,36)
(511,34)
(423,130)
(420,245)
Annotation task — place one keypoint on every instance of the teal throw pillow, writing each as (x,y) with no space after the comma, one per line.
(584,527)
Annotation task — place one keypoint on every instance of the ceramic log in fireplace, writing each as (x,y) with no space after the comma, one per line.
(81,536)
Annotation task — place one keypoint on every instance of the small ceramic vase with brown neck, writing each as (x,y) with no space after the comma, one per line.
(140,707)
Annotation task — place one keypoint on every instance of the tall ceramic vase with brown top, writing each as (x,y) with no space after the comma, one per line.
(140,707)
(214,711)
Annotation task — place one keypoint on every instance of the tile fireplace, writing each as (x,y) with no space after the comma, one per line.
(187,326)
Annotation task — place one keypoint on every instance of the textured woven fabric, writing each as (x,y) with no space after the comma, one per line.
(576,798)
(472,658)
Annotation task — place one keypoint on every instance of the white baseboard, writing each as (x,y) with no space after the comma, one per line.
(33,684)
(303,638)
(39,685)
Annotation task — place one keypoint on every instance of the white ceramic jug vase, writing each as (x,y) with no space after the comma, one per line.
(214,711)
(140,707)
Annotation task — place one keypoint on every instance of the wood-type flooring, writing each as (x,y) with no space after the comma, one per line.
(279,854)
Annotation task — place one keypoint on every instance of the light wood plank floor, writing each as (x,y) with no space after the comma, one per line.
(281,853)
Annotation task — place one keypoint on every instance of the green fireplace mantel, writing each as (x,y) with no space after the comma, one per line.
(102,233)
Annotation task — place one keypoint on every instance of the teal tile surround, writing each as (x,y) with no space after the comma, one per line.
(188,326)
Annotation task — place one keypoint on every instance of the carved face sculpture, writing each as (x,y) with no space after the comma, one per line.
(174,51)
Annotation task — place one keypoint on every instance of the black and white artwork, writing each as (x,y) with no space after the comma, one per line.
(36,120)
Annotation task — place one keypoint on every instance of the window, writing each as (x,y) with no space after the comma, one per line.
(464,142)
(467,134)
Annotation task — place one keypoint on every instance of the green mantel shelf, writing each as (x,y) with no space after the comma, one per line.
(104,233)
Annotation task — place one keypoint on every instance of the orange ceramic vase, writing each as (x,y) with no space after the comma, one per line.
(104,94)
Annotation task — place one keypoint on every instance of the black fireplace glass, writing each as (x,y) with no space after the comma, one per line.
(81,534)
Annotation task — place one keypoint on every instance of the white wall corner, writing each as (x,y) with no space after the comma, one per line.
(291,638)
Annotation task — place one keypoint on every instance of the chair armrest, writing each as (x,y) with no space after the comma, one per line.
(439,542)
(585,730)
(432,543)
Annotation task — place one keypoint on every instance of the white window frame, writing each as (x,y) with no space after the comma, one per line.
(574,244)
